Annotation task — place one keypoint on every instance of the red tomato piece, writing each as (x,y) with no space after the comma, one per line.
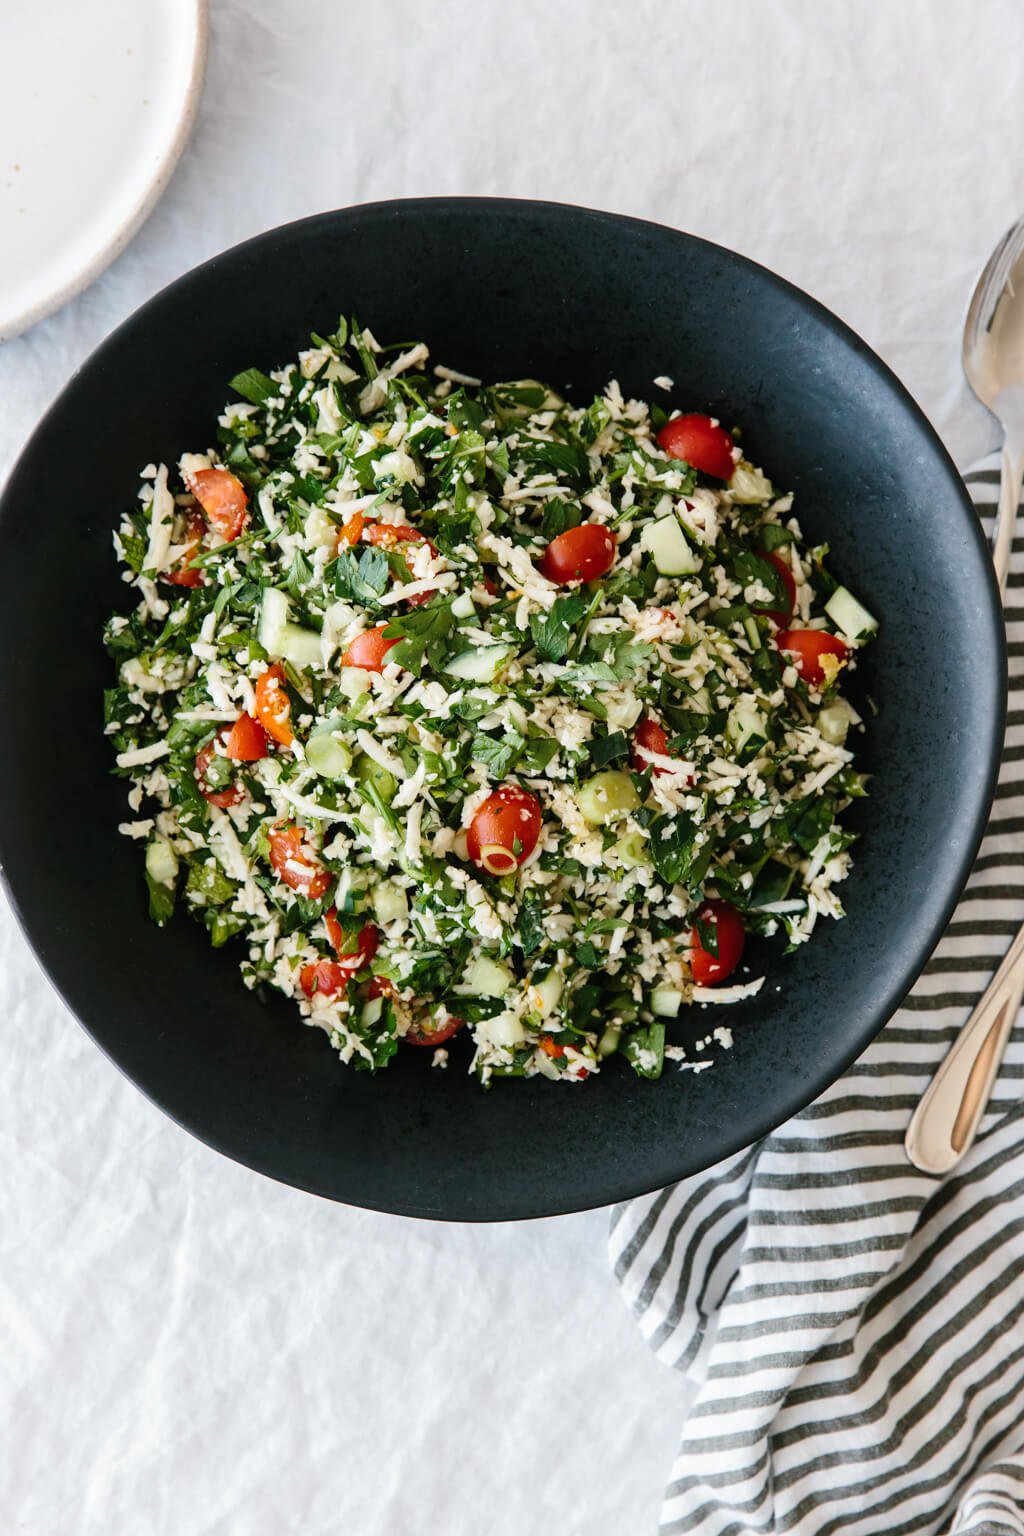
(231,794)
(273,707)
(222,497)
(649,736)
(369,650)
(504,830)
(366,943)
(433,1032)
(324,977)
(579,554)
(782,566)
(809,648)
(181,576)
(352,530)
(701,442)
(295,863)
(551,1047)
(246,741)
(708,970)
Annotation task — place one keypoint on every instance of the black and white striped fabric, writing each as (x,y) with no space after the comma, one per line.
(854,1330)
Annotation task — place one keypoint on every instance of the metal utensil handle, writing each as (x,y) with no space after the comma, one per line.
(946,1120)
(1012,472)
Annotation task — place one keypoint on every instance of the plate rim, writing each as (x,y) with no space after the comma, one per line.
(21,321)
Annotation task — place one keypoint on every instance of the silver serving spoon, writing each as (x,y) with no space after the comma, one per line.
(946,1120)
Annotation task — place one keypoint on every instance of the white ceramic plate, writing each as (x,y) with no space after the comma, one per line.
(97,98)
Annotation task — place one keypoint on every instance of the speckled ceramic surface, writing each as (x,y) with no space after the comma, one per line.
(97,98)
(498,289)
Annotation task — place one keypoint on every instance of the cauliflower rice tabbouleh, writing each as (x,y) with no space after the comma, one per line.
(464,708)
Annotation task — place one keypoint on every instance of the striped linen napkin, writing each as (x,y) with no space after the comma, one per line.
(853,1330)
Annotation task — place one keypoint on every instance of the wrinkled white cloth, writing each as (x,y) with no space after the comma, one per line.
(185,1347)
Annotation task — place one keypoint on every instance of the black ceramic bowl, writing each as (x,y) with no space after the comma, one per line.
(500,289)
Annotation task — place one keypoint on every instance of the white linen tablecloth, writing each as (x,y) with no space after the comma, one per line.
(188,1349)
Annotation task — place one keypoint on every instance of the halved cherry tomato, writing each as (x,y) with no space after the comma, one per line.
(708,970)
(579,554)
(273,707)
(295,863)
(504,830)
(181,576)
(809,647)
(366,943)
(369,650)
(324,977)
(246,741)
(701,442)
(433,1032)
(781,618)
(352,530)
(649,736)
(222,497)
(222,798)
(380,986)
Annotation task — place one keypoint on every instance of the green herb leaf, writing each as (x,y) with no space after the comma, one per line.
(673,847)
(497,754)
(530,925)
(608,749)
(645,1050)
(420,633)
(363,577)
(552,631)
(254,386)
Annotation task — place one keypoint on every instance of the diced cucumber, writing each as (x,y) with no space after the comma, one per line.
(624,713)
(669,547)
(463,607)
(606,795)
(274,612)
(645,1050)
(371,1012)
(701,701)
(300,646)
(370,772)
(354,682)
(390,903)
(320,530)
(161,862)
(340,615)
(746,726)
(835,721)
(504,1029)
(479,665)
(749,484)
(485,977)
(631,851)
(327,754)
(546,993)
(609,1041)
(666,1002)
(848,615)
(280,637)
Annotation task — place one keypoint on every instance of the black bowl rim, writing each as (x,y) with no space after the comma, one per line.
(526,208)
